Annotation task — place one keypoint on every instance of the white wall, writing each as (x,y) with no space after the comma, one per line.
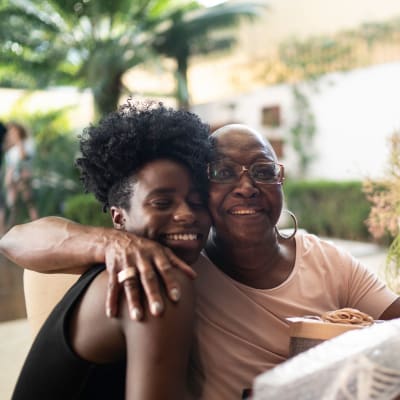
(355,117)
(355,113)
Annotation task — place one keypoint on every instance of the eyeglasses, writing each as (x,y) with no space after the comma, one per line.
(227,171)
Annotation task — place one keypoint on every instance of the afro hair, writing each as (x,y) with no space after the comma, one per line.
(125,140)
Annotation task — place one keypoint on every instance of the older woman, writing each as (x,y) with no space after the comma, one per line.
(249,277)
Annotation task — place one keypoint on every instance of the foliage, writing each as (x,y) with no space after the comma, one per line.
(328,208)
(310,58)
(84,208)
(89,44)
(92,44)
(384,218)
(55,177)
(303,130)
(192,32)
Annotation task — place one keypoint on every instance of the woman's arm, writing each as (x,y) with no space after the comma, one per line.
(58,245)
(158,350)
(8,176)
(55,245)
(393,311)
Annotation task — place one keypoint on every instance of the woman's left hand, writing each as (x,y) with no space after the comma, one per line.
(137,264)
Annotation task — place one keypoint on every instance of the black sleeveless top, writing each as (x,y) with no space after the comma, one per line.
(52,371)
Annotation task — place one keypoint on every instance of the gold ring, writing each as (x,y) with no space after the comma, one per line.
(128,273)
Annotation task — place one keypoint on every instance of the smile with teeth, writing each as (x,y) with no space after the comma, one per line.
(243,212)
(182,236)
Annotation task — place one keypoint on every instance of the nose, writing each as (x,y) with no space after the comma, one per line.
(245,187)
(184,215)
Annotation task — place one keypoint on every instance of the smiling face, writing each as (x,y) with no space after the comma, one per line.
(164,206)
(244,210)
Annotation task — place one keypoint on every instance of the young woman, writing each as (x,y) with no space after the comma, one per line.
(147,165)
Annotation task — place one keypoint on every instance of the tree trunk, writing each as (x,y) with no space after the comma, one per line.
(107,95)
(182,94)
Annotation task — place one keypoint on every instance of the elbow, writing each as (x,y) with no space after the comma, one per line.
(8,242)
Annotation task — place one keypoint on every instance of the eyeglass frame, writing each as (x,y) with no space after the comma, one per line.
(245,169)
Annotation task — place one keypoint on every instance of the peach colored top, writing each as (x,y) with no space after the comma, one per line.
(241,331)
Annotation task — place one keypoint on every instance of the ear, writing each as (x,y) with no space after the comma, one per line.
(118,217)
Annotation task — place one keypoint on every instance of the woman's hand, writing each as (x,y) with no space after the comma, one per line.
(150,260)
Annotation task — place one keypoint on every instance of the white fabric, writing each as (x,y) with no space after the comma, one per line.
(18,165)
(357,365)
(13,157)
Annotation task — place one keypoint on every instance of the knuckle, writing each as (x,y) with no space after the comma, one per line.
(131,284)
(165,267)
(141,242)
(149,275)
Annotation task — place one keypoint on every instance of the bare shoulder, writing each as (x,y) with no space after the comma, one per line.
(93,336)
(173,313)
(96,338)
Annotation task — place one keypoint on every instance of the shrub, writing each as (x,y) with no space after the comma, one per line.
(328,208)
(384,218)
(85,209)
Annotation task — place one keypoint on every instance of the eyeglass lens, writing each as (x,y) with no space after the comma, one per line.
(229,171)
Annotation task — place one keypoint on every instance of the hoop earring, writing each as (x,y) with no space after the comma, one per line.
(288,237)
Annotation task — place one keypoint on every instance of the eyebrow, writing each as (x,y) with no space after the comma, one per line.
(258,157)
(161,191)
(192,191)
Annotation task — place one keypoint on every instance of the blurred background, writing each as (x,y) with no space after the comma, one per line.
(321,80)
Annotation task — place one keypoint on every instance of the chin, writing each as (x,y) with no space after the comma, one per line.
(243,236)
(188,257)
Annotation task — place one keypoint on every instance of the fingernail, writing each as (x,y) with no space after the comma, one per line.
(175,294)
(156,308)
(136,314)
(108,312)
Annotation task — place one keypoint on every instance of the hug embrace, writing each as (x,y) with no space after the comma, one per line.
(203,312)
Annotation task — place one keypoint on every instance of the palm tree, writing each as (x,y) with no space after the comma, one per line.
(93,43)
(191,31)
(90,44)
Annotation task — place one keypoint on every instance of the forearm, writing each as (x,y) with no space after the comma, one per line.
(54,244)
(57,245)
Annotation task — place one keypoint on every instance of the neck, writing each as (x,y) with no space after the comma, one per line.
(260,265)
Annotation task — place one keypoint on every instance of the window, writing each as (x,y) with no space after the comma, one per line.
(271,116)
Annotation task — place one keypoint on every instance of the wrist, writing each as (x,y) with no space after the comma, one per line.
(110,238)
(101,238)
